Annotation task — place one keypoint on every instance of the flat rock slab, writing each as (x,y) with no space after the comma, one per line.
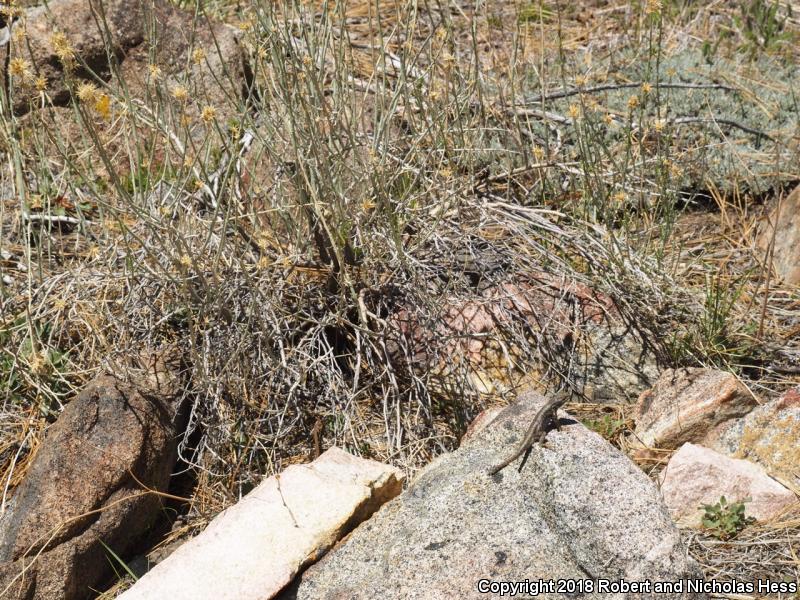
(696,475)
(686,404)
(578,510)
(253,549)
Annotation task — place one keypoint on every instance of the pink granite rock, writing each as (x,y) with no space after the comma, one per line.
(696,475)
(685,404)
(784,226)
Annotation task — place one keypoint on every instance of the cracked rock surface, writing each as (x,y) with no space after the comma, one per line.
(579,509)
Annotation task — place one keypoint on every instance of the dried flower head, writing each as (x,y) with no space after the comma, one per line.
(653,7)
(39,363)
(198,55)
(19,35)
(87,92)
(63,49)
(155,71)
(633,102)
(180,93)
(208,114)
(10,10)
(19,67)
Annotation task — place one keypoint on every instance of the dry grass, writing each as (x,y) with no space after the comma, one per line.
(396,158)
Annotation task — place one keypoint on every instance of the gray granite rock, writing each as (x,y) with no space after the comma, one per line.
(578,510)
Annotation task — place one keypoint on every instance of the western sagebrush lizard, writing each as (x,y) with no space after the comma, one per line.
(545,421)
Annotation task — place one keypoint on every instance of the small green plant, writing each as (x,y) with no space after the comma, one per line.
(118,561)
(535,13)
(760,24)
(724,520)
(607,426)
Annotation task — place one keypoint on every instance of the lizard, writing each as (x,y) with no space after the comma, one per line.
(543,422)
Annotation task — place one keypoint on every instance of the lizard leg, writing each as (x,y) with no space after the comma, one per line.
(524,458)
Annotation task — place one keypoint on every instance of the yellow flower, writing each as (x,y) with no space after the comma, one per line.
(208,114)
(39,363)
(538,152)
(653,7)
(263,240)
(574,111)
(35,201)
(646,87)
(619,197)
(155,71)
(185,260)
(659,125)
(63,49)
(10,10)
(246,25)
(103,106)
(87,92)
(198,55)
(180,93)
(608,118)
(19,35)
(633,102)
(40,84)
(19,67)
